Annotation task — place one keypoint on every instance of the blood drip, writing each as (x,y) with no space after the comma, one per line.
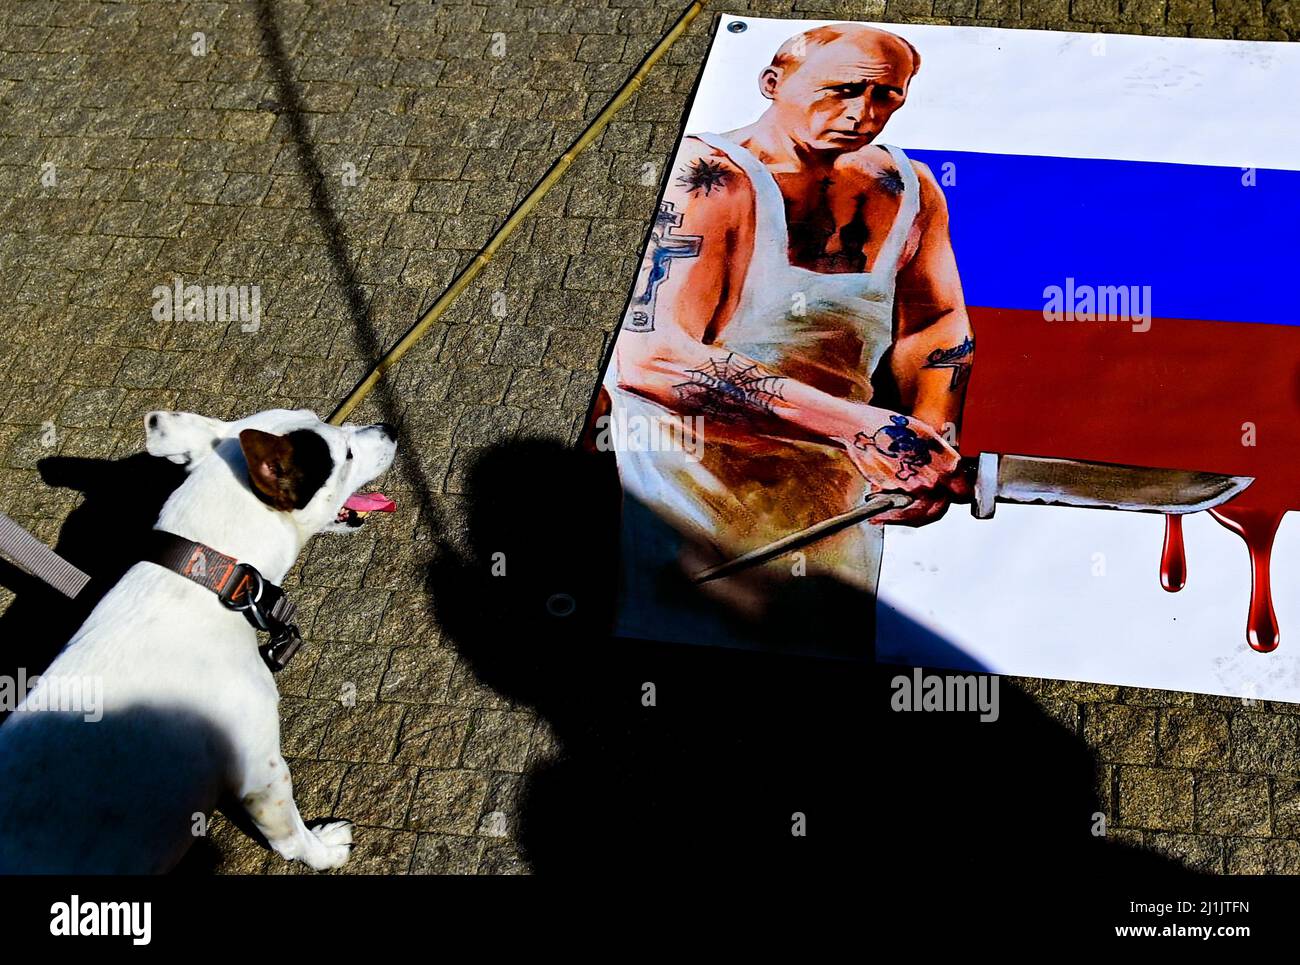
(1257,528)
(1185,394)
(1173,558)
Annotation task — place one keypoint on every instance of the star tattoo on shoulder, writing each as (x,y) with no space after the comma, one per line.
(703,175)
(891,180)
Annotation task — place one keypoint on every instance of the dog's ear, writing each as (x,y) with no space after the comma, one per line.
(271,467)
(287,470)
(182,437)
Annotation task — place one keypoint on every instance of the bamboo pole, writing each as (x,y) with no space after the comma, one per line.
(525,207)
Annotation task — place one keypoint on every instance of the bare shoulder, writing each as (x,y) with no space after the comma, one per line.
(704,175)
(874,167)
(692,150)
(931,192)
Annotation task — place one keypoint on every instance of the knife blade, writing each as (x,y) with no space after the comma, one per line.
(1097,485)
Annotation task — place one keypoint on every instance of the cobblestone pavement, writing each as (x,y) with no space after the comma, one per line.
(229,168)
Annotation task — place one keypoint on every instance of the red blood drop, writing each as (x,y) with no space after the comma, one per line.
(1257,527)
(1173,558)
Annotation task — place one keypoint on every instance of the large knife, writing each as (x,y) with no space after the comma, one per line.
(1028,479)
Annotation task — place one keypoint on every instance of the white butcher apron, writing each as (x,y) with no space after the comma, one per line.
(750,488)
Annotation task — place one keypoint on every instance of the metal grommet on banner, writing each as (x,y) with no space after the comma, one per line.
(737,26)
(561,605)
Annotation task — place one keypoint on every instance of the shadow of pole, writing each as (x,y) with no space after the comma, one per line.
(323,209)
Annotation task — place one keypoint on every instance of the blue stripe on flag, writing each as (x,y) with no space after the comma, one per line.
(1209,247)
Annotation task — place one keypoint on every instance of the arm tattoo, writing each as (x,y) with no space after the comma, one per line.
(703,175)
(899,441)
(664,247)
(957,358)
(727,389)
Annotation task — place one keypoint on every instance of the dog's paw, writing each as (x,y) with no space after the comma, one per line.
(335,839)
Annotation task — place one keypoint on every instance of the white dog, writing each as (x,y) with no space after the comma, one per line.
(189,708)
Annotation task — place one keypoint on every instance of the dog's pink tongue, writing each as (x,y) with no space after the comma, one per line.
(370,503)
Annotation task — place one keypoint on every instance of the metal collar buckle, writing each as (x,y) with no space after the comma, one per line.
(247,579)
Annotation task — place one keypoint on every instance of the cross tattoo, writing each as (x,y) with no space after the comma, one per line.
(664,247)
(667,246)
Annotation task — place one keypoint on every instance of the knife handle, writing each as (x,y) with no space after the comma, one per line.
(985,485)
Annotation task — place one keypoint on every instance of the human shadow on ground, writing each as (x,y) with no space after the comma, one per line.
(737,745)
(107,793)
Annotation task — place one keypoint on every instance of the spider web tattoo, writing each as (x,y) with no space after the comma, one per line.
(725,388)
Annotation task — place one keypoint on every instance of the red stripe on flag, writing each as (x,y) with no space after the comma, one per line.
(1184,394)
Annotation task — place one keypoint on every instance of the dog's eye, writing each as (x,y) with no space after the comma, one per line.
(349,452)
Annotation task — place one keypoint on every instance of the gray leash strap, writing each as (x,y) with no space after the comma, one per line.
(31,555)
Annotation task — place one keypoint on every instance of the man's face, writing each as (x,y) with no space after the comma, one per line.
(843,94)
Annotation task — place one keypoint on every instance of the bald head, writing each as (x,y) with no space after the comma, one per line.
(833,88)
(790,56)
